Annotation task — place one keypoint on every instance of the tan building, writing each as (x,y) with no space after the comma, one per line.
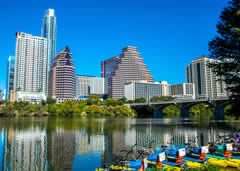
(62,76)
(127,67)
(12,95)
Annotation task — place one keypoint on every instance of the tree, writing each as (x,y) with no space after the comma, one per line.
(161,99)
(226,47)
(130,101)
(39,89)
(202,110)
(171,111)
(51,101)
(111,102)
(123,100)
(93,100)
(140,100)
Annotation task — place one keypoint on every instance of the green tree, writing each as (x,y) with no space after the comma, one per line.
(93,100)
(226,46)
(123,100)
(161,99)
(130,101)
(51,101)
(140,100)
(155,99)
(39,89)
(171,111)
(111,102)
(202,110)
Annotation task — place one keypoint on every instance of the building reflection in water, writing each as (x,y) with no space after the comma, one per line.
(24,150)
(92,144)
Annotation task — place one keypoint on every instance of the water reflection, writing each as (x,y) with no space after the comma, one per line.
(86,144)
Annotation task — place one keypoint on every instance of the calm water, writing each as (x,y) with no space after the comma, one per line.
(85,144)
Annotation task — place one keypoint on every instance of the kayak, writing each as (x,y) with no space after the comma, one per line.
(222,162)
(191,164)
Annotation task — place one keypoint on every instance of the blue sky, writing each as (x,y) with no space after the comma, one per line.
(168,33)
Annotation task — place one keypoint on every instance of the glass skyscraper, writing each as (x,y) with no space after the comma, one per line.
(49,31)
(10,76)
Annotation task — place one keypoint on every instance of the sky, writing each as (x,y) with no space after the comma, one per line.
(169,34)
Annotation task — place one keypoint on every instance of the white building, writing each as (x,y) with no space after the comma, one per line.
(89,85)
(147,90)
(32,97)
(31,63)
(3,95)
(207,83)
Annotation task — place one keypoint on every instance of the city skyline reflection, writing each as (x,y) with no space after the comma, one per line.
(84,143)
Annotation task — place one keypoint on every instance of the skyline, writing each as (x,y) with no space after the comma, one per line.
(103,33)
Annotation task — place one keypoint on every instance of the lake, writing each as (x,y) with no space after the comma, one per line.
(85,143)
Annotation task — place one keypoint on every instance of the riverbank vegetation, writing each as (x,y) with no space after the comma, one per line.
(93,106)
(171,111)
(202,110)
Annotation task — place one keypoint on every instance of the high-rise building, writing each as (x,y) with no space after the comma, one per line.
(49,32)
(182,90)
(10,76)
(129,66)
(108,66)
(207,83)
(62,76)
(89,85)
(31,63)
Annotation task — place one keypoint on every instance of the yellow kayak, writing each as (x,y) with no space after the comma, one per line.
(171,168)
(224,163)
(116,168)
(190,163)
(217,162)
(232,163)
(235,160)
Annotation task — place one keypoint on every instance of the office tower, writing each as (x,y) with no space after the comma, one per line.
(207,83)
(129,66)
(49,32)
(31,63)
(10,76)
(62,76)
(182,90)
(89,85)
(108,66)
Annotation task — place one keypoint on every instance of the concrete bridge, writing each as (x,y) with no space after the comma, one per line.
(156,108)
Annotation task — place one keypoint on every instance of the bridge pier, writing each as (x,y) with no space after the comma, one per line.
(184,112)
(219,112)
(158,112)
